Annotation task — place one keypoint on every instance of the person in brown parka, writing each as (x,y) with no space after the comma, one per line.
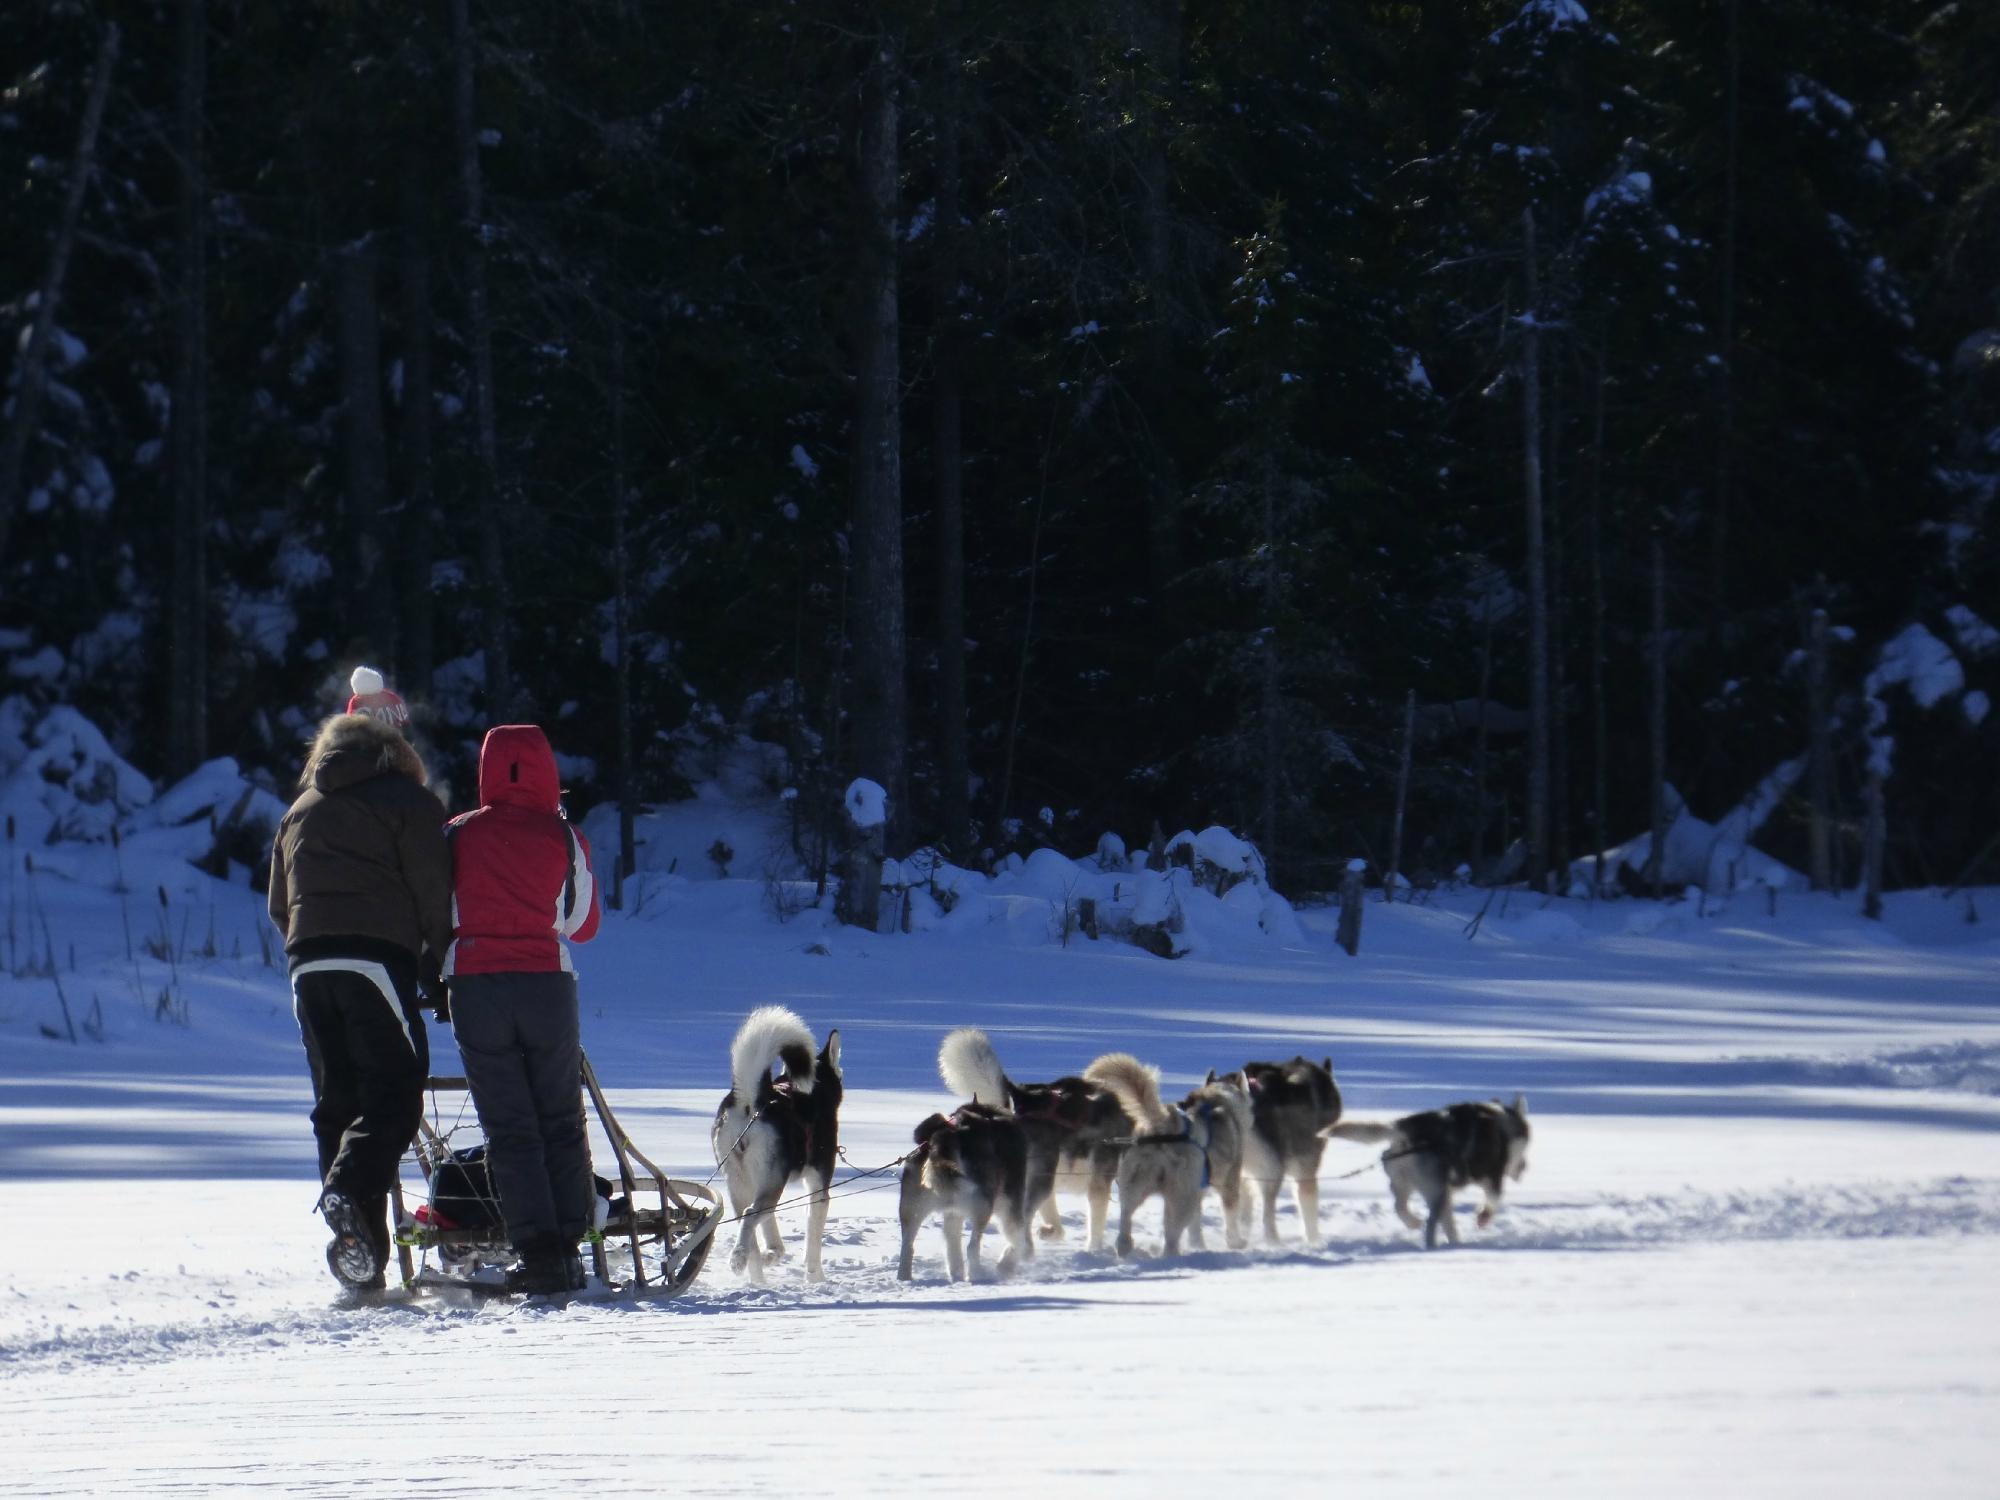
(361,890)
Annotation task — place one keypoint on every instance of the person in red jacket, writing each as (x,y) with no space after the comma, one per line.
(521,885)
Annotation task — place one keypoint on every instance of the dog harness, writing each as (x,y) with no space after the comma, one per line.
(1053,1113)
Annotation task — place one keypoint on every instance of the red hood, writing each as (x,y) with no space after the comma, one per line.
(517,769)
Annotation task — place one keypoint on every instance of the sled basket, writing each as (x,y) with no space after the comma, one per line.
(655,1231)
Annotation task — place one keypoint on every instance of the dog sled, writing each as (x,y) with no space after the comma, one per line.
(651,1236)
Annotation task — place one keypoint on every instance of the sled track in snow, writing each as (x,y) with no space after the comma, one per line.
(1356,1233)
(1949,1206)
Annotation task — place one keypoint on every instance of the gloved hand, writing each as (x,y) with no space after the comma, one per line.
(436,995)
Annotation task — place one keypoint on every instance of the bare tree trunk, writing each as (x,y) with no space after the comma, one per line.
(1155,30)
(947,459)
(1874,838)
(1402,798)
(31,381)
(1348,933)
(1439,53)
(416,539)
(1005,803)
(1479,809)
(1559,798)
(187,637)
(1657,721)
(859,901)
(1273,700)
(495,602)
(621,501)
(358,339)
(879,698)
(1839,860)
(828,811)
(1600,734)
(1726,413)
(1537,831)
(1819,765)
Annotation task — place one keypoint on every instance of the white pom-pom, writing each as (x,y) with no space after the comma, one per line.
(365,680)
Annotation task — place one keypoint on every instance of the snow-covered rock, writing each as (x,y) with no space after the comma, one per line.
(1051,875)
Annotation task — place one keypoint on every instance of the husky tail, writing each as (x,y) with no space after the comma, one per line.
(971,1069)
(1364,1131)
(1135,1085)
(770,1034)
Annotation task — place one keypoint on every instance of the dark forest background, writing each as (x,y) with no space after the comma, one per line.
(1072,415)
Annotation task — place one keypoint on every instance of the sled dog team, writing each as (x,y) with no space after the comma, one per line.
(1002,1155)
(385,909)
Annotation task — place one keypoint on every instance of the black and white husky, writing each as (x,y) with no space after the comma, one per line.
(1479,1143)
(770,1132)
(1291,1105)
(1074,1128)
(972,1166)
(1177,1151)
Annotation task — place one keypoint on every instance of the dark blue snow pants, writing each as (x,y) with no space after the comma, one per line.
(518,1036)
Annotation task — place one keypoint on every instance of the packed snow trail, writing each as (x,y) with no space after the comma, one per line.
(1754,1251)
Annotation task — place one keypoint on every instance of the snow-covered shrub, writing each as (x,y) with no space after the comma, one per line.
(215,817)
(62,780)
(456,686)
(732,805)
(1217,858)
(1159,915)
(1694,852)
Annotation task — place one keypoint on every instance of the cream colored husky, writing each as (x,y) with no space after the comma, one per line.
(1177,1150)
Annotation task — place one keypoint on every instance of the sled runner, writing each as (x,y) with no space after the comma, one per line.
(653,1232)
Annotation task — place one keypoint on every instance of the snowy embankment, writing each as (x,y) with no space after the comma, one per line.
(1754,1251)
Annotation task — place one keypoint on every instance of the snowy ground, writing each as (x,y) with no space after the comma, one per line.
(1754,1254)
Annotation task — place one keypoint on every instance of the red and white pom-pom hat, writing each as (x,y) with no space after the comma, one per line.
(373,697)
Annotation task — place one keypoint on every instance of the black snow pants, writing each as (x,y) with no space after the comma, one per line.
(369,1056)
(518,1036)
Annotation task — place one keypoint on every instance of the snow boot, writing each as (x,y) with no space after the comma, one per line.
(540,1270)
(351,1254)
(538,1276)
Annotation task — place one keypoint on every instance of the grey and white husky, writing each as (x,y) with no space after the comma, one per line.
(1074,1128)
(769,1132)
(1177,1151)
(1291,1105)
(971,1166)
(1480,1143)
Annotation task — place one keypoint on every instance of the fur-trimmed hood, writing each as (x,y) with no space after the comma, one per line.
(353,747)
(359,863)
